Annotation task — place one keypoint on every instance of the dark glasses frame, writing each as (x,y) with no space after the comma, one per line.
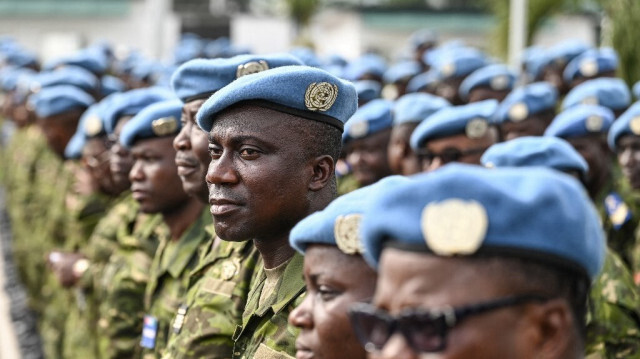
(425,330)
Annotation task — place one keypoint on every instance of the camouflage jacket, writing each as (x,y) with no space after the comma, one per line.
(170,270)
(218,290)
(346,184)
(122,287)
(265,330)
(613,319)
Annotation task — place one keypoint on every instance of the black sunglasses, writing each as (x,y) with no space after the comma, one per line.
(449,154)
(424,330)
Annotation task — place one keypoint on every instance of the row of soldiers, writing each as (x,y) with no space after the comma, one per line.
(168,221)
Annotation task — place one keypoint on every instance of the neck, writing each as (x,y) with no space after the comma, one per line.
(276,250)
(181,217)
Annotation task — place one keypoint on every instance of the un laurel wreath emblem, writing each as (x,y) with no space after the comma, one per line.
(320,96)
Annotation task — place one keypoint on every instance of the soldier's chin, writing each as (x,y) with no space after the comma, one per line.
(229,233)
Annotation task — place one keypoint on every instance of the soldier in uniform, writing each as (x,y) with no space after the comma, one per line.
(218,286)
(408,111)
(591,64)
(366,138)
(527,111)
(612,93)
(335,273)
(480,263)
(613,320)
(149,135)
(455,134)
(279,126)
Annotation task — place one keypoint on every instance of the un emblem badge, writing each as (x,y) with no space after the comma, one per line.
(164,126)
(251,68)
(320,96)
(346,233)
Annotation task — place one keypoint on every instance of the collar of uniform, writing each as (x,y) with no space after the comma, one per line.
(189,244)
(291,284)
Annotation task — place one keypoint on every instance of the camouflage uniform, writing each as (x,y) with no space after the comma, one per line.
(346,184)
(170,270)
(613,319)
(213,306)
(80,330)
(122,286)
(265,330)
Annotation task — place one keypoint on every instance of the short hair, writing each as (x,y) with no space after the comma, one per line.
(526,276)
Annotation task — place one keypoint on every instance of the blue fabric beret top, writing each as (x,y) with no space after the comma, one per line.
(78,140)
(338,224)
(368,89)
(526,101)
(605,91)
(497,77)
(365,64)
(371,118)
(156,120)
(465,210)
(591,63)
(131,102)
(551,152)
(200,78)
(415,107)
(636,90)
(472,119)
(426,80)
(627,124)
(459,62)
(111,84)
(401,71)
(68,75)
(580,121)
(55,100)
(89,58)
(562,53)
(423,37)
(302,91)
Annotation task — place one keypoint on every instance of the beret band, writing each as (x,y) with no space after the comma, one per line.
(200,96)
(315,116)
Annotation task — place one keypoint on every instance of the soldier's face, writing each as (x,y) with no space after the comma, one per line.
(259,176)
(628,152)
(402,159)
(120,161)
(334,282)
(368,157)
(59,129)
(415,281)
(485,93)
(526,127)
(154,178)
(192,153)
(598,157)
(457,148)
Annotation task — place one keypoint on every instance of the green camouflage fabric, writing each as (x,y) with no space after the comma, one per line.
(170,278)
(218,290)
(346,184)
(265,330)
(122,287)
(613,318)
(80,330)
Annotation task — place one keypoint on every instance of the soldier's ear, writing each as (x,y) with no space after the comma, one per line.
(550,329)
(323,171)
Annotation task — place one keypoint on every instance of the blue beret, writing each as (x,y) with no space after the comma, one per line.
(423,37)
(368,90)
(636,90)
(526,101)
(337,224)
(68,75)
(459,62)
(415,107)
(74,147)
(373,117)
(159,119)
(131,102)
(299,90)
(91,59)
(214,48)
(466,210)
(580,121)
(432,56)
(335,60)
(187,49)
(19,58)
(111,84)
(200,78)
(627,124)
(401,71)
(428,80)
(565,51)
(605,91)
(10,77)
(55,100)
(591,63)
(550,152)
(306,55)
(497,77)
(472,119)
(365,64)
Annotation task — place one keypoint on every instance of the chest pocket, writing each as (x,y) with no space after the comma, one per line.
(264,352)
(218,286)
